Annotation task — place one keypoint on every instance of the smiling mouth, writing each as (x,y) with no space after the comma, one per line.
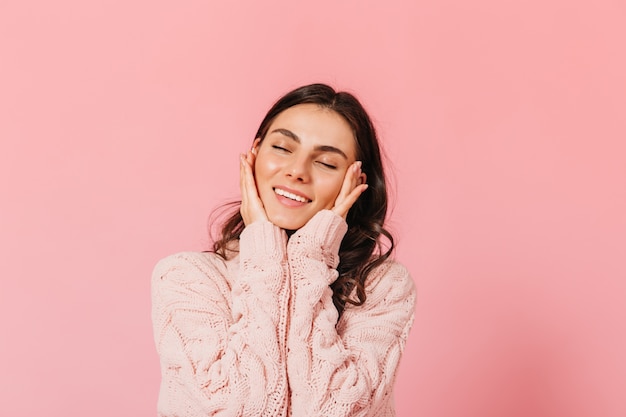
(291,196)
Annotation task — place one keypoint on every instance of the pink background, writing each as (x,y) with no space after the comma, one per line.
(120,127)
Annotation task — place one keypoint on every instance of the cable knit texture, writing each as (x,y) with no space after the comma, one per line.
(258,335)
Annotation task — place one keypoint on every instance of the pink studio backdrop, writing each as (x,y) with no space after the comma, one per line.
(120,127)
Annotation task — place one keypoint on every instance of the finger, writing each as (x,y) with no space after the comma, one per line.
(356,174)
(346,204)
(250,157)
(353,196)
(247,186)
(350,181)
(242,174)
(249,175)
(350,190)
(251,205)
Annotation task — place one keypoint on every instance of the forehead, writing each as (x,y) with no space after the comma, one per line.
(317,126)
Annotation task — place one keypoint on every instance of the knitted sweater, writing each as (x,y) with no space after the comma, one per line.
(257,335)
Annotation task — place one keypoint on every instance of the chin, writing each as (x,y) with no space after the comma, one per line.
(287,223)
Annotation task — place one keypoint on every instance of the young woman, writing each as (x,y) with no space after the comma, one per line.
(299,309)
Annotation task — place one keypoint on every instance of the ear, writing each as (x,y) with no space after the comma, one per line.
(255,146)
(362,178)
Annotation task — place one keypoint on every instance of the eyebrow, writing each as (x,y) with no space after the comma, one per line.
(320,148)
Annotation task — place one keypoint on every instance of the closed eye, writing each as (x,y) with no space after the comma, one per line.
(327,165)
(280,148)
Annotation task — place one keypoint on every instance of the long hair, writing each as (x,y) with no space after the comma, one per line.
(361,249)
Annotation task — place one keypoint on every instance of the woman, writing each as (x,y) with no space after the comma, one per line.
(298,310)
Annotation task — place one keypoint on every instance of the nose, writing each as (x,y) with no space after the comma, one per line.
(298,170)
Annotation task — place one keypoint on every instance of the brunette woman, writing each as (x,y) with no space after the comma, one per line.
(299,309)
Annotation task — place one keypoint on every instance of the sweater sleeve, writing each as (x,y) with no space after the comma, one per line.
(344,368)
(222,349)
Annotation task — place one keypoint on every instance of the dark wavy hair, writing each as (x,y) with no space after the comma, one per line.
(361,248)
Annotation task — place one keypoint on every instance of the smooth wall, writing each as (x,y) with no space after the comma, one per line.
(503,121)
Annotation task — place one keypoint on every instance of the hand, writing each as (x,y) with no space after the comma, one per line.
(251,206)
(353,186)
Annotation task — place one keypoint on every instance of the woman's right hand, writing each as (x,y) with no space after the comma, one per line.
(251,208)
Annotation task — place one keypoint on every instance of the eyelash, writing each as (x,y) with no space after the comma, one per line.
(280,148)
(327,165)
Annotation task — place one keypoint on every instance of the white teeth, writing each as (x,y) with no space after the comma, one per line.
(290,195)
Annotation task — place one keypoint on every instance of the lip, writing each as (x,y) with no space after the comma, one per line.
(292,191)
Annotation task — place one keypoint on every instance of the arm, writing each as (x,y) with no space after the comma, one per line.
(222,349)
(346,368)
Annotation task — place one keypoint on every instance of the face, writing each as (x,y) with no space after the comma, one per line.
(301,164)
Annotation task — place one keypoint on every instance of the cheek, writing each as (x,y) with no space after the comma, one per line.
(330,190)
(264,168)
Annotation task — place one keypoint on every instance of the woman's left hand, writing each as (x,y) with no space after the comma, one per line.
(353,186)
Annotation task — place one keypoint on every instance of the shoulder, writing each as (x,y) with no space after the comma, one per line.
(389,305)
(390,279)
(391,291)
(188,267)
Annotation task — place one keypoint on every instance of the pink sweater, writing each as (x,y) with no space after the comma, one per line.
(257,335)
